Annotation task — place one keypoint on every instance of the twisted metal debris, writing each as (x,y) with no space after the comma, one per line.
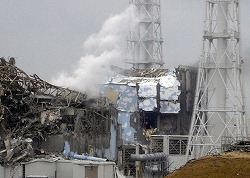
(32,109)
(14,79)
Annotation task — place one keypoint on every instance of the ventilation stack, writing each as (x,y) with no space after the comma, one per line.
(218,117)
(144,40)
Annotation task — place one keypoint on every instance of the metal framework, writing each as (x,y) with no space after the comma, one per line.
(14,79)
(219,102)
(157,144)
(127,163)
(169,144)
(177,146)
(144,40)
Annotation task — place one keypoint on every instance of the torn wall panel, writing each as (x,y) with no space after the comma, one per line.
(127,101)
(171,93)
(169,107)
(112,96)
(128,131)
(168,81)
(147,90)
(111,153)
(148,104)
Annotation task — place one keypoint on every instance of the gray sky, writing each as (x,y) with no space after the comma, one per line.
(47,36)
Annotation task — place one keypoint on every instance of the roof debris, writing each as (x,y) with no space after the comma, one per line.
(31,110)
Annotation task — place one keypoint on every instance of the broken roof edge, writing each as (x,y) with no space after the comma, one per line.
(63,160)
(151,73)
(167,80)
(11,74)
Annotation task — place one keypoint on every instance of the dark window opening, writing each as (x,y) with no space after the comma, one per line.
(148,120)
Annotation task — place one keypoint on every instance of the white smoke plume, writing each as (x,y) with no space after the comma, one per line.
(101,50)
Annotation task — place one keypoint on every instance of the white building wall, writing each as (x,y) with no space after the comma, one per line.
(43,168)
(60,169)
(78,171)
(10,172)
(64,169)
(176,161)
(106,171)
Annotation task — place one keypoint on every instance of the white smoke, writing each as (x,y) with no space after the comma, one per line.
(101,50)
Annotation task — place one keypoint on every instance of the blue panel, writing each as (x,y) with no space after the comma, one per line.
(111,153)
(128,97)
(127,131)
(147,90)
(171,93)
(148,104)
(169,107)
(168,81)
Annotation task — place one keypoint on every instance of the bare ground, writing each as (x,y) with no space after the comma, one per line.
(225,165)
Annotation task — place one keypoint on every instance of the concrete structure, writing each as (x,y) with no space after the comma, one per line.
(219,102)
(144,41)
(54,168)
(161,102)
(150,102)
(174,146)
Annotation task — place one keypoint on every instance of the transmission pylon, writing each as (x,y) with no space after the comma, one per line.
(144,40)
(219,102)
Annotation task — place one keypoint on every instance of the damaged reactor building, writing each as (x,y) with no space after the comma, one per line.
(37,119)
(138,126)
(140,119)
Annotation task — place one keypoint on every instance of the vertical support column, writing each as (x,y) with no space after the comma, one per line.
(145,42)
(166,144)
(137,163)
(217,91)
(158,98)
(219,100)
(221,57)
(158,122)
(144,26)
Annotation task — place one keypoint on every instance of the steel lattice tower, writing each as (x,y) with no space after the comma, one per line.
(144,40)
(219,102)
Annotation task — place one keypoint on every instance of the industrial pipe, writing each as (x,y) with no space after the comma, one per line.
(73,155)
(152,169)
(147,157)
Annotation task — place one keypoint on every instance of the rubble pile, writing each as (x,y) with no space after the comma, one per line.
(241,145)
(32,109)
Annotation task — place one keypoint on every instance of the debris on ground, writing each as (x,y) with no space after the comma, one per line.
(241,145)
